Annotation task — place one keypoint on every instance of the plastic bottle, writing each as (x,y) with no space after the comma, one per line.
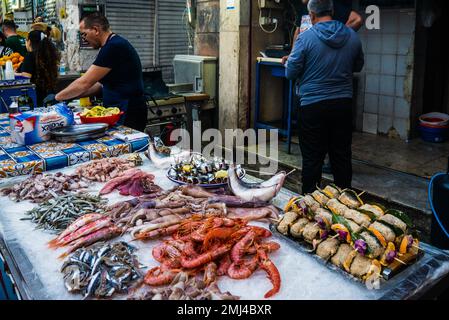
(13,109)
(14,106)
(62,69)
(25,103)
(9,71)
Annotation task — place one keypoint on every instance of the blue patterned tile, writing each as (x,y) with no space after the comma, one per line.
(73,150)
(56,163)
(78,157)
(113,142)
(16,149)
(87,143)
(31,157)
(4,157)
(140,145)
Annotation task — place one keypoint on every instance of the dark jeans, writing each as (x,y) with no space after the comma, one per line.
(137,115)
(326,127)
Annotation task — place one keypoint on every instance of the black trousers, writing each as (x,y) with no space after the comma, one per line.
(326,127)
(137,115)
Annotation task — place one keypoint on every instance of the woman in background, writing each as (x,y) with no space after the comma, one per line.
(41,64)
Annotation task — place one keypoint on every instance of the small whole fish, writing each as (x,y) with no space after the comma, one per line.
(78,223)
(102,234)
(58,213)
(85,230)
(101,270)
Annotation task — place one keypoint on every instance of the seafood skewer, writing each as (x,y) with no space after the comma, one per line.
(366,239)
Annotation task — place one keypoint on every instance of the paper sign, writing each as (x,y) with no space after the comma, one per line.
(230,4)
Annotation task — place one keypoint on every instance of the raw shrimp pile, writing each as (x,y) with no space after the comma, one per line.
(200,243)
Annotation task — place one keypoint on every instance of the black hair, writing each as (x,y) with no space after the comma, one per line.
(9,24)
(96,19)
(47,60)
(2,39)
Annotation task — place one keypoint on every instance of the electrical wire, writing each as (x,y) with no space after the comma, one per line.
(189,30)
(261,26)
(431,203)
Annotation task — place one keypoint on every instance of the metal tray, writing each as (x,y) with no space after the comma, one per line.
(79,129)
(79,138)
(79,133)
(303,246)
(206,186)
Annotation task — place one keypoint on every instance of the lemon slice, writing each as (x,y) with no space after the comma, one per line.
(114,110)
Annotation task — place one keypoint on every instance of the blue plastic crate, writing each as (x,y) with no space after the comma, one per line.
(7,291)
(14,91)
(18,81)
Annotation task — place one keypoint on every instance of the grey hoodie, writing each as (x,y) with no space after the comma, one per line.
(324,60)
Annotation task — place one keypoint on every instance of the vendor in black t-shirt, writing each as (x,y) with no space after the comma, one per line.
(116,72)
(342,12)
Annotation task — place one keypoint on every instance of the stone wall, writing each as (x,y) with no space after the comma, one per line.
(234,67)
(207,30)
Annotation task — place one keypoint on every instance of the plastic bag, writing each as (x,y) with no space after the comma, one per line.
(35,126)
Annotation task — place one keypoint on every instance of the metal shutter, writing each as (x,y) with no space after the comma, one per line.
(172,35)
(134,20)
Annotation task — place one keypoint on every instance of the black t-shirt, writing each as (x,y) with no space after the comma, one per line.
(299,9)
(125,78)
(29,64)
(342,10)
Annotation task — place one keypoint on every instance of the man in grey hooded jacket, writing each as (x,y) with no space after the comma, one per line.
(323,61)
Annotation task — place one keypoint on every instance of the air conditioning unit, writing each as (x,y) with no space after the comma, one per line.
(200,71)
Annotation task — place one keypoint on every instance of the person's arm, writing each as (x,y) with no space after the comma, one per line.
(354,21)
(295,62)
(24,74)
(295,36)
(93,91)
(84,84)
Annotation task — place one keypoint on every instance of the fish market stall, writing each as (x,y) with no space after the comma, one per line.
(36,267)
(16,160)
